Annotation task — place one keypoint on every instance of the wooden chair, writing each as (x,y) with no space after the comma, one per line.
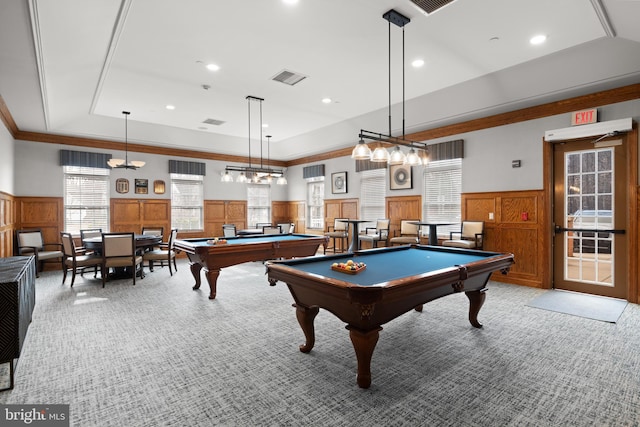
(379,233)
(75,259)
(88,233)
(339,230)
(408,233)
(119,251)
(229,230)
(154,231)
(30,242)
(167,255)
(471,235)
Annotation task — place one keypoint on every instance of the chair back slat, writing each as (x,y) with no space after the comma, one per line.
(471,228)
(118,244)
(30,238)
(339,225)
(406,227)
(68,246)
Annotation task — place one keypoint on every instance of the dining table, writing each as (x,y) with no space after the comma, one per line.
(143,242)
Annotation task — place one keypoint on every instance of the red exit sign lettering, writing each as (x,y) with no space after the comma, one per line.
(584,117)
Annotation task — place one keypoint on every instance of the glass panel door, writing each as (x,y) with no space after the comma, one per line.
(589,218)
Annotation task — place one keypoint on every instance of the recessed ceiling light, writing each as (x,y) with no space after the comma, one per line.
(326,100)
(290,1)
(212,67)
(170,107)
(265,125)
(418,63)
(539,39)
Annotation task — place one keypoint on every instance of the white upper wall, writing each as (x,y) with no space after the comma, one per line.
(486,164)
(6,161)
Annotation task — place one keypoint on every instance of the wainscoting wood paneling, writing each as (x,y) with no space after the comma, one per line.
(525,236)
(280,212)
(402,207)
(45,213)
(219,212)
(340,208)
(7,224)
(133,214)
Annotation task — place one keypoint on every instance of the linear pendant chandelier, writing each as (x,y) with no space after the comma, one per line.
(397,157)
(125,163)
(255,174)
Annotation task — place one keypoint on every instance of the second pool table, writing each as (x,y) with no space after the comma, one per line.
(237,250)
(395,281)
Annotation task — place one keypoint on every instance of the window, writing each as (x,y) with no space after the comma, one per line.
(442,185)
(258,204)
(86,198)
(187,201)
(373,185)
(315,203)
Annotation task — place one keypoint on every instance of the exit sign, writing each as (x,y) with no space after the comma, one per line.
(584,117)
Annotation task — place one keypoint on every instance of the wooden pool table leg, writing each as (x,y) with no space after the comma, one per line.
(476,299)
(364,343)
(306,316)
(195,270)
(212,278)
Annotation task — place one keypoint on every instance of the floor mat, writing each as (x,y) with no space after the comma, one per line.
(583,305)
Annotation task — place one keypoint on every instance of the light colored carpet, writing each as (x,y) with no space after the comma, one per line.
(582,305)
(161,354)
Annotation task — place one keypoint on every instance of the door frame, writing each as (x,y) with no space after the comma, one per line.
(633,193)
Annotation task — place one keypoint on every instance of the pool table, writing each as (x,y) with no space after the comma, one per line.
(396,280)
(203,254)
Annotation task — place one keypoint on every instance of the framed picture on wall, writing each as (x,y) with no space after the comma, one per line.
(158,187)
(122,185)
(142,186)
(400,177)
(339,182)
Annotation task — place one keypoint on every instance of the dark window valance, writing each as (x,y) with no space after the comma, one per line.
(367,165)
(84,159)
(189,168)
(313,171)
(446,150)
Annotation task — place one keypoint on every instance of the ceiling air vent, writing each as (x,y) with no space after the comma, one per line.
(214,122)
(289,77)
(430,6)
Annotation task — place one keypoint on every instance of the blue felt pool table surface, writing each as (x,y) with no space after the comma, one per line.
(386,266)
(251,239)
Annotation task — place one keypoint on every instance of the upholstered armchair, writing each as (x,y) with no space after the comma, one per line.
(229,230)
(162,256)
(31,242)
(408,233)
(119,251)
(470,236)
(339,230)
(75,259)
(379,233)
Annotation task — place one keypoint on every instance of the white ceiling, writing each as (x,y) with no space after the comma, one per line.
(72,66)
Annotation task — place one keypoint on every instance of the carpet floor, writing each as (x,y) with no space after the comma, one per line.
(160,354)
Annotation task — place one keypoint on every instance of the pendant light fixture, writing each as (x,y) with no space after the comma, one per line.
(262,174)
(397,157)
(124,163)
